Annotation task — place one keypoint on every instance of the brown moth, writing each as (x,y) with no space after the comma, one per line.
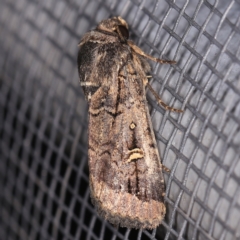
(126,179)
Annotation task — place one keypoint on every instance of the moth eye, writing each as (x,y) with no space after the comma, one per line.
(124,31)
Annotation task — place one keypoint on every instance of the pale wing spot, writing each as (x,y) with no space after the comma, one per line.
(89,84)
(89,96)
(134,154)
(132,126)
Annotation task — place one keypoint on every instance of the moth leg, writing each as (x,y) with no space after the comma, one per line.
(160,102)
(140,52)
(166,169)
(145,80)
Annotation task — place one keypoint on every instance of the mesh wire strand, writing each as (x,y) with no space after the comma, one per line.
(43,117)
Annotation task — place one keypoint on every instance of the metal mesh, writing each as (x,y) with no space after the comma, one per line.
(43,117)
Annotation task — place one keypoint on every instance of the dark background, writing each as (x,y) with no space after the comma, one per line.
(44,191)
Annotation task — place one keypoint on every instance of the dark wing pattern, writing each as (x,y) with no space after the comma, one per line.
(125,171)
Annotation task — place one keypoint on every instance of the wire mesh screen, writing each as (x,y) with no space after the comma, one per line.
(43,117)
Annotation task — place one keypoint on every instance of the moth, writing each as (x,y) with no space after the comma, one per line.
(126,179)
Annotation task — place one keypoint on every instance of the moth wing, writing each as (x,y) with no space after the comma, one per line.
(126,177)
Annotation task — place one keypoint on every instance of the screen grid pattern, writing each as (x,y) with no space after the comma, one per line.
(43,117)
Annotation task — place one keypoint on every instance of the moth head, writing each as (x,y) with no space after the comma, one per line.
(115,25)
